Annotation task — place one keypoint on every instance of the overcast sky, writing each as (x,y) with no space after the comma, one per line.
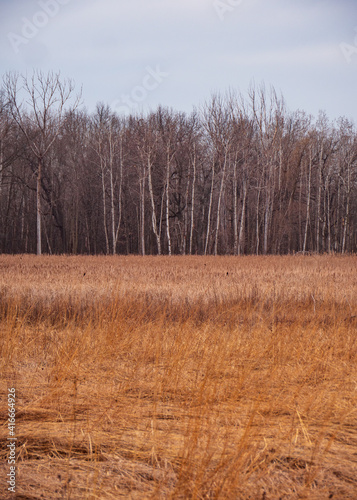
(136,54)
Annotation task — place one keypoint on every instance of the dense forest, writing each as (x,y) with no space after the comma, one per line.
(241,174)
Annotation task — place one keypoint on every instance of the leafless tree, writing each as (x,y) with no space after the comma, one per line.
(37,104)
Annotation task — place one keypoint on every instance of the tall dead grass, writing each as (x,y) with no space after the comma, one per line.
(181,377)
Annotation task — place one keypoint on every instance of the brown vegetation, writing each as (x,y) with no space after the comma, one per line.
(181,377)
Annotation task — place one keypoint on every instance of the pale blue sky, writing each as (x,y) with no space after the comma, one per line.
(136,54)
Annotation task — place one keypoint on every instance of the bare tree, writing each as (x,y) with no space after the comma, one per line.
(241,175)
(37,105)
(147,149)
(107,144)
(218,123)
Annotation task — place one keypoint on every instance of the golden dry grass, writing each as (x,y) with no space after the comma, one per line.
(182,377)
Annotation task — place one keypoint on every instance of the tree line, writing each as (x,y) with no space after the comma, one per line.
(238,175)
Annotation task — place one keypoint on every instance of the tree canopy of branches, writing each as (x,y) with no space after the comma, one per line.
(239,175)
(37,107)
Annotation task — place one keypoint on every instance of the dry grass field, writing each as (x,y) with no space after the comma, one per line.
(182,377)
